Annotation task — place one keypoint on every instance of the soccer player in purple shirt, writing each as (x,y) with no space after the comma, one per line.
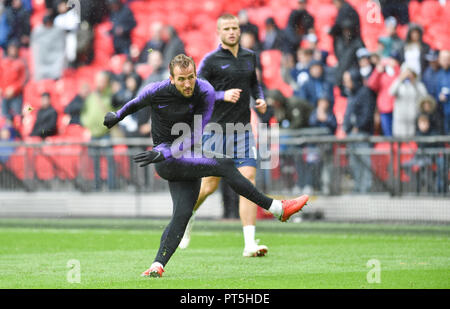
(231,70)
(179,100)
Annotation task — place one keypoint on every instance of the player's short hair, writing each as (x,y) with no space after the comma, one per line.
(181,61)
(226,16)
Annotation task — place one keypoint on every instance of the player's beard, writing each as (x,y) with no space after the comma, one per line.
(188,92)
(231,44)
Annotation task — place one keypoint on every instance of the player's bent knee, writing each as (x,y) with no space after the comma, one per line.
(209,187)
(248,172)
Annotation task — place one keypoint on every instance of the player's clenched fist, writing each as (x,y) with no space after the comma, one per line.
(148,157)
(232,95)
(111,120)
(261,106)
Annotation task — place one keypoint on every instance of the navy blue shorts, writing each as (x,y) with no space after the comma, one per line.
(240,147)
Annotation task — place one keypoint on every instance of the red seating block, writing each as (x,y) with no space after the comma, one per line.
(122,161)
(65,159)
(20,163)
(414,8)
(212,7)
(271,64)
(142,32)
(38,5)
(180,21)
(430,12)
(86,74)
(144,70)
(36,18)
(381,160)
(103,43)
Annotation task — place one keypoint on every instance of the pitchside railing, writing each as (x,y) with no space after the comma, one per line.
(308,161)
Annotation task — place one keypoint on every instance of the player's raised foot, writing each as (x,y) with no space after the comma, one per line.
(291,207)
(154,272)
(255,251)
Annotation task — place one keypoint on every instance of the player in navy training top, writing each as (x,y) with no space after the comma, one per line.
(231,70)
(177,101)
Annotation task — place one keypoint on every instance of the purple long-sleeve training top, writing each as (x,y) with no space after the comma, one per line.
(169,108)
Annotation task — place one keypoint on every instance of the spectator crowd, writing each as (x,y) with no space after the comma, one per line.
(397,89)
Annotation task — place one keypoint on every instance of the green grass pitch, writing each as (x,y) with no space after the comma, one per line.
(113,252)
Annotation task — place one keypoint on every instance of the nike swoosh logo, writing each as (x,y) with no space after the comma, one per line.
(157,156)
(162,106)
(225,66)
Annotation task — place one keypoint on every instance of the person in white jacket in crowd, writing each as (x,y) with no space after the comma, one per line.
(408,90)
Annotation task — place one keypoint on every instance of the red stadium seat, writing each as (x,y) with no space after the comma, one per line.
(271,66)
(144,70)
(76,133)
(287,4)
(31,95)
(372,23)
(430,12)
(27,56)
(65,159)
(122,161)
(340,105)
(325,16)
(356,3)
(180,21)
(414,8)
(81,164)
(381,160)
(86,74)
(36,18)
(42,166)
(402,31)
(20,162)
(380,163)
(38,5)
(67,89)
(259,15)
(28,121)
(281,16)
(203,22)
(197,44)
(323,20)
(50,156)
(234,6)
(140,7)
(103,43)
(141,33)
(212,7)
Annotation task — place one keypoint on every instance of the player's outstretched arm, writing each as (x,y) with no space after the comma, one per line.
(142,100)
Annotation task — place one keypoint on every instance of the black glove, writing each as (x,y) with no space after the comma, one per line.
(111,120)
(148,157)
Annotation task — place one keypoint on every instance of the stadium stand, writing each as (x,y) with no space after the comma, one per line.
(195,22)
